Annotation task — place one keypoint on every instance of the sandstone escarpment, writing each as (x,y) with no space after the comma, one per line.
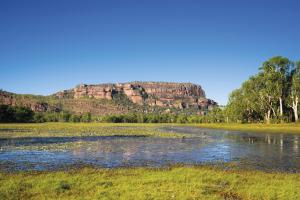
(103,99)
(162,94)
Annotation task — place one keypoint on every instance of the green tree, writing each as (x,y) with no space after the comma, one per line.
(7,113)
(51,117)
(235,108)
(277,69)
(86,117)
(75,118)
(23,114)
(182,118)
(269,90)
(294,92)
(64,116)
(39,118)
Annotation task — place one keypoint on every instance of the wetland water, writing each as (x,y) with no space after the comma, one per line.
(268,152)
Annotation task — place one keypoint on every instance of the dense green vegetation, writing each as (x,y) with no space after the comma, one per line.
(272,95)
(23,114)
(146,183)
(213,116)
(15,114)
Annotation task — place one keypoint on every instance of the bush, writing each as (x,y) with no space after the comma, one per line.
(23,114)
(87,117)
(15,114)
(39,118)
(7,113)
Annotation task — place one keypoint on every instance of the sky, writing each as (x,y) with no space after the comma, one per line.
(50,45)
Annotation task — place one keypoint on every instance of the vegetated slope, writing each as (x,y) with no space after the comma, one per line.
(103,99)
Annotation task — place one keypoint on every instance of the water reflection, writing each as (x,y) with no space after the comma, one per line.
(248,150)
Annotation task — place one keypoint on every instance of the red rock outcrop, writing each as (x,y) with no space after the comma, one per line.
(163,94)
(97,99)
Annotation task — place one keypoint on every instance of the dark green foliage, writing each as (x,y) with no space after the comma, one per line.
(15,114)
(22,114)
(7,113)
(217,115)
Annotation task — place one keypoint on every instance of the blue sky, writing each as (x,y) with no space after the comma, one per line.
(47,46)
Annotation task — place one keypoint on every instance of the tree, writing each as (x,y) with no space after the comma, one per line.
(39,118)
(74,118)
(294,92)
(182,118)
(245,104)
(23,114)
(254,104)
(270,90)
(64,116)
(264,95)
(86,117)
(235,107)
(276,70)
(7,113)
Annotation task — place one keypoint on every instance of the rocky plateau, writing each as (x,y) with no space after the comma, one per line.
(142,95)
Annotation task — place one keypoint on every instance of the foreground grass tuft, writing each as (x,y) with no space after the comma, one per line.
(142,183)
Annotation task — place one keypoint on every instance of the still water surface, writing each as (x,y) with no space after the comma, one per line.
(268,152)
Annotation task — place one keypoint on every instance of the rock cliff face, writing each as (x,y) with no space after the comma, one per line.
(162,94)
(119,98)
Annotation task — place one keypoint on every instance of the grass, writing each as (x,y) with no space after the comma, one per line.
(83,129)
(291,128)
(110,129)
(180,182)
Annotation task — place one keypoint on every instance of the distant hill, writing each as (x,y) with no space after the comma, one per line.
(118,98)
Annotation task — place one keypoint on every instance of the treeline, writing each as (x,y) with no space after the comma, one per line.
(272,95)
(15,114)
(214,116)
(62,117)
(26,115)
(23,114)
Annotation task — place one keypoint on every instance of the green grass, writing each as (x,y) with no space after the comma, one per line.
(83,129)
(144,183)
(57,129)
(292,128)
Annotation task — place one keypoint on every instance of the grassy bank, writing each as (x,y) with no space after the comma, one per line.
(142,183)
(57,129)
(259,128)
